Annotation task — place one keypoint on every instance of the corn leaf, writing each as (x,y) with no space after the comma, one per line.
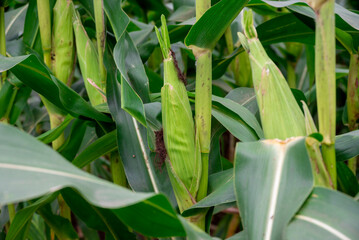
(327,214)
(264,180)
(44,171)
(34,74)
(210,27)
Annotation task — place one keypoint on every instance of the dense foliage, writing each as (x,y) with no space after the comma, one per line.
(146,119)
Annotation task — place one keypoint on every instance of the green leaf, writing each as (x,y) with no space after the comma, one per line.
(97,218)
(54,133)
(193,232)
(301,7)
(117,17)
(98,148)
(286,28)
(32,169)
(327,214)
(75,139)
(220,191)
(346,40)
(346,145)
(131,141)
(270,32)
(20,225)
(131,67)
(245,97)
(237,119)
(14,22)
(34,74)
(265,174)
(210,27)
(347,181)
(135,88)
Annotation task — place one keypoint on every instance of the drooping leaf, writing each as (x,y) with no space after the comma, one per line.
(42,171)
(210,27)
(34,74)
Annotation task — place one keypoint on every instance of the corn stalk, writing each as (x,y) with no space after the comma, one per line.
(203,107)
(325,79)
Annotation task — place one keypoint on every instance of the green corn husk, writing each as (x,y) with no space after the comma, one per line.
(183,162)
(89,65)
(280,114)
(62,41)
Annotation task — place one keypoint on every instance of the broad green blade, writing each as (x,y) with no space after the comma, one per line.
(327,214)
(131,140)
(273,31)
(349,17)
(130,65)
(98,148)
(14,22)
(210,27)
(117,17)
(237,119)
(34,74)
(220,191)
(54,133)
(32,169)
(346,145)
(272,179)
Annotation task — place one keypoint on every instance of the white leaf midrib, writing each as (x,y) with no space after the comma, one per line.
(274,192)
(323,225)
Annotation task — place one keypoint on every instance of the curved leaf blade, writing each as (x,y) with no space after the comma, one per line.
(327,214)
(210,27)
(32,169)
(265,174)
(34,74)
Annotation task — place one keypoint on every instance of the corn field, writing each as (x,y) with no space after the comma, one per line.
(179,119)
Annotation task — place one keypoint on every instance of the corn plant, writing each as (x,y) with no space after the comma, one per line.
(229,119)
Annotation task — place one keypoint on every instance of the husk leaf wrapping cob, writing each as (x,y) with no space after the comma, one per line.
(280,114)
(89,63)
(62,41)
(183,161)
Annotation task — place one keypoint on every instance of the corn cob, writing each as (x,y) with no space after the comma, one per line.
(89,64)
(183,162)
(62,41)
(280,114)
